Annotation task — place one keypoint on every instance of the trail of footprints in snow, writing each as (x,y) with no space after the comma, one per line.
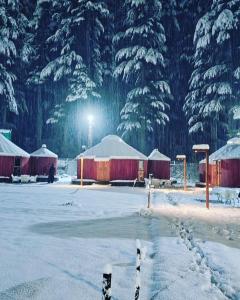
(202,265)
(201,262)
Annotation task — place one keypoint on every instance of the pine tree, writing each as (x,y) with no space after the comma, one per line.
(76,45)
(179,19)
(12,29)
(75,61)
(141,64)
(212,83)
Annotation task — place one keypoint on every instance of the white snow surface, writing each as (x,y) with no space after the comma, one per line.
(56,240)
(43,152)
(156,155)
(112,147)
(8,148)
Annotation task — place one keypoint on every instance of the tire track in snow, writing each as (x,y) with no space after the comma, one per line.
(157,284)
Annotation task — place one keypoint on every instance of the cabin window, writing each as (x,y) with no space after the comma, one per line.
(17,166)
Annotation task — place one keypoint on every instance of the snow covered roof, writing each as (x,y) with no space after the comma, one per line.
(112,147)
(5,130)
(229,151)
(201,147)
(156,155)
(8,148)
(181,156)
(44,152)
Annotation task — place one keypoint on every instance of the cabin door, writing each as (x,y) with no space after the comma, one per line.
(103,171)
(218,173)
(141,170)
(17,166)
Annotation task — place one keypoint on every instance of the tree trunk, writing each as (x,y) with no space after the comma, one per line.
(3,115)
(39,117)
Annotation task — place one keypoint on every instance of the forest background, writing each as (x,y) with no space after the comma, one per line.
(160,73)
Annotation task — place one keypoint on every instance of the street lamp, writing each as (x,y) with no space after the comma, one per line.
(205,149)
(90,130)
(183,157)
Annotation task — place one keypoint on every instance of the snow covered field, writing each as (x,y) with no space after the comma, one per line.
(56,239)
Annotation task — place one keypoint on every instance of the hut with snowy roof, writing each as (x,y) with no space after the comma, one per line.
(13,160)
(224,165)
(112,160)
(159,165)
(41,161)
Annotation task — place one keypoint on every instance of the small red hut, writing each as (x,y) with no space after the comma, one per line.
(41,161)
(112,159)
(224,165)
(159,165)
(13,160)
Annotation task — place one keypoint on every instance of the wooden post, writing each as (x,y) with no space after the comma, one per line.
(207,180)
(138,266)
(81,182)
(149,198)
(107,282)
(218,172)
(185,173)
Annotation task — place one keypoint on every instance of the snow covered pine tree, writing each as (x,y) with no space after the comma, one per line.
(12,27)
(212,84)
(141,64)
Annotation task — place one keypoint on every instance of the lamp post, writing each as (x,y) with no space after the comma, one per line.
(205,149)
(183,157)
(90,130)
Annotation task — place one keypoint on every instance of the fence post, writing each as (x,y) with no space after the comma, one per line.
(107,281)
(149,198)
(138,264)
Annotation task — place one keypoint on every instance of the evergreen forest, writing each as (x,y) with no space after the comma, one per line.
(159,73)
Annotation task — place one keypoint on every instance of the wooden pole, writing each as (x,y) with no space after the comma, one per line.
(149,198)
(81,172)
(207,181)
(138,266)
(185,173)
(107,283)
(218,172)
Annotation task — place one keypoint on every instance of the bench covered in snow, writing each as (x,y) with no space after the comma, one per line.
(227,196)
(24,179)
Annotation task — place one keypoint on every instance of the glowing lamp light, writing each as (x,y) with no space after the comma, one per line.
(90,118)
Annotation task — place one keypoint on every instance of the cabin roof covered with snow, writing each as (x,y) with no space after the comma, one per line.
(8,148)
(112,147)
(229,151)
(43,152)
(156,155)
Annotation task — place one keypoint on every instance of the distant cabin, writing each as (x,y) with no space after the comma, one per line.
(159,165)
(224,165)
(111,160)
(13,159)
(41,161)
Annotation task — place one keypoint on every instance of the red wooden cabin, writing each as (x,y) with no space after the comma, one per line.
(41,161)
(224,165)
(112,159)
(159,165)
(13,160)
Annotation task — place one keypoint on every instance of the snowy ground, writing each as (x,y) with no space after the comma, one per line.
(56,239)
